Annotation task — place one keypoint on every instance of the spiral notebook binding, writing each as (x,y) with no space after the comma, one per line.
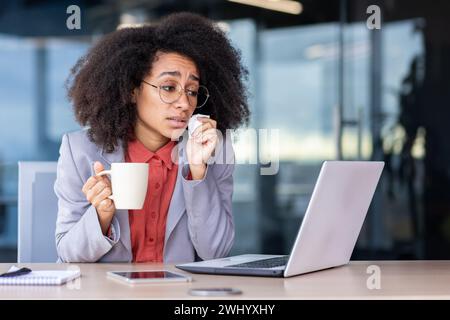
(30,281)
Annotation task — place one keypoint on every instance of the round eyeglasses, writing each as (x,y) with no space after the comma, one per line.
(171,91)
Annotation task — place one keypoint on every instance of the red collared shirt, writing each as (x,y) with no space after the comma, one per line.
(148,225)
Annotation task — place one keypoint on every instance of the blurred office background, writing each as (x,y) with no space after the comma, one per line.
(334,88)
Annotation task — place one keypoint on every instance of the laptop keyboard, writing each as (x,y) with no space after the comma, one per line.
(265,263)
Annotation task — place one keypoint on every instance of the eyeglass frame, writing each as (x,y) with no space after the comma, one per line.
(182,89)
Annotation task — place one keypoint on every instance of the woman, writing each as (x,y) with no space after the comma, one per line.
(135,91)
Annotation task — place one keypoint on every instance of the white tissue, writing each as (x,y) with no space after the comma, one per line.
(194,123)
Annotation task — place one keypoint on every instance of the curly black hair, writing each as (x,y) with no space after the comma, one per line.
(101,82)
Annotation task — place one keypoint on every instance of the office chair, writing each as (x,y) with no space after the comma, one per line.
(37,212)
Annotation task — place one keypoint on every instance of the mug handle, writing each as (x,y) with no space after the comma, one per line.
(102,173)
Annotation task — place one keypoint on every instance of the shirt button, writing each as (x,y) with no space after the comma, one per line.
(153,214)
(151,239)
(157,185)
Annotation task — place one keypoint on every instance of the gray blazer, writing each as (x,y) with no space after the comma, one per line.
(199,221)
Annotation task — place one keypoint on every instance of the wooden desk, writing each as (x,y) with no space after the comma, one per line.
(399,280)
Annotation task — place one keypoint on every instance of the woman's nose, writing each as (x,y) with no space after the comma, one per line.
(183,101)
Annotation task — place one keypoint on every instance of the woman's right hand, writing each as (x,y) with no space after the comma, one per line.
(97,190)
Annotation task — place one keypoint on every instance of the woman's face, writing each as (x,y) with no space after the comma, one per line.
(158,119)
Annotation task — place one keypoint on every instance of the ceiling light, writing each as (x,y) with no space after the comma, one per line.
(286,6)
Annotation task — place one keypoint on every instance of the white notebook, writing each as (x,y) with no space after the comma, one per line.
(44,277)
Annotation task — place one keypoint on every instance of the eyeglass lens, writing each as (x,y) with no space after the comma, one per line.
(171,91)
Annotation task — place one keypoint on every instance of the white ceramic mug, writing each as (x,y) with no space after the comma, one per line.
(129,184)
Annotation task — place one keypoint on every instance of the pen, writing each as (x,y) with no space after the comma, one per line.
(16,273)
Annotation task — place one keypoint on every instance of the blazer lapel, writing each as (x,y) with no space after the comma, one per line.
(116,156)
(177,206)
(124,223)
(121,215)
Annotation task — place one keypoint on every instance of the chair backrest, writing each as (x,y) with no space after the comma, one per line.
(37,212)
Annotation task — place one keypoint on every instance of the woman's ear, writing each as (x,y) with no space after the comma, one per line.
(134,95)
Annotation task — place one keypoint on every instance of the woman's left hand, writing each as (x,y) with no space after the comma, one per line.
(201,146)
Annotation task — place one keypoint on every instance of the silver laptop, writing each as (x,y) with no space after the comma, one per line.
(329,230)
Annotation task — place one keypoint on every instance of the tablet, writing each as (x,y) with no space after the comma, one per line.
(148,276)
